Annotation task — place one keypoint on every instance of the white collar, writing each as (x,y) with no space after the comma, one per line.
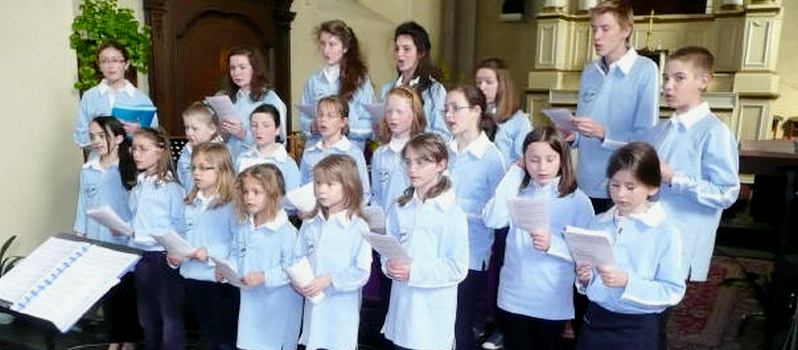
(205,201)
(476,147)
(331,73)
(342,217)
(279,154)
(217,139)
(129,89)
(652,217)
(274,224)
(397,144)
(413,82)
(152,178)
(241,94)
(443,201)
(689,118)
(94,163)
(343,144)
(552,186)
(624,63)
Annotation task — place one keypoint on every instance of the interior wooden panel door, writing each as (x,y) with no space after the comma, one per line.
(191,39)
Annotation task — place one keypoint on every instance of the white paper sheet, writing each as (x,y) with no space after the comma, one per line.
(388,246)
(307,109)
(375,217)
(302,198)
(107,217)
(375,110)
(229,273)
(561,117)
(528,214)
(302,274)
(589,246)
(222,105)
(174,244)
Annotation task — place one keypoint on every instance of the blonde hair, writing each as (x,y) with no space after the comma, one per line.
(417,107)
(622,10)
(197,108)
(165,169)
(506,96)
(340,168)
(339,106)
(268,176)
(432,148)
(220,159)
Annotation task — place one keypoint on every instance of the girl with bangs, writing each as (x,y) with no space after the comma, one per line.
(201,125)
(331,239)
(264,249)
(210,226)
(423,303)
(344,74)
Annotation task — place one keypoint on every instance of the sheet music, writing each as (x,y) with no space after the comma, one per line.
(222,105)
(375,110)
(174,244)
(388,246)
(375,217)
(302,198)
(107,217)
(302,274)
(229,273)
(36,267)
(528,214)
(589,246)
(561,117)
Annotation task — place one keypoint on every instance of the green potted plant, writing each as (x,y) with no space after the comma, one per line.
(100,21)
(7,262)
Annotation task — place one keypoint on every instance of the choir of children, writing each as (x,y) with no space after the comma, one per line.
(444,193)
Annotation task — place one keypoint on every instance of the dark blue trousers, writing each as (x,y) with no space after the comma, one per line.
(215,305)
(159,292)
(604,329)
(468,295)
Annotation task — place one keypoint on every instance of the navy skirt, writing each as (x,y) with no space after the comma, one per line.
(604,329)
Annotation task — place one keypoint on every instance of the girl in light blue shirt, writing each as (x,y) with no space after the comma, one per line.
(157,207)
(626,300)
(201,125)
(535,295)
(210,227)
(247,89)
(332,123)
(423,303)
(113,90)
(403,119)
(331,238)
(413,55)
(271,309)
(264,123)
(476,167)
(345,74)
(105,180)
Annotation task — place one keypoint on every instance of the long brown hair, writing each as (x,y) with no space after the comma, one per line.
(259,84)
(549,135)
(416,105)
(506,96)
(165,170)
(271,179)
(476,98)
(433,149)
(353,67)
(425,70)
(219,157)
(340,168)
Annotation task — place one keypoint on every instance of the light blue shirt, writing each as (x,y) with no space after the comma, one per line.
(702,152)
(531,282)
(625,100)
(270,313)
(647,247)
(335,246)
(318,86)
(157,208)
(314,154)
(99,187)
(99,101)
(422,310)
(244,106)
(475,172)
(510,136)
(388,174)
(434,98)
(278,158)
(211,228)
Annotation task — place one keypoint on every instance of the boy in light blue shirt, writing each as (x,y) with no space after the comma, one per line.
(698,156)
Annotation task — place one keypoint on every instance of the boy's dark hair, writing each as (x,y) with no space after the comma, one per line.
(699,57)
